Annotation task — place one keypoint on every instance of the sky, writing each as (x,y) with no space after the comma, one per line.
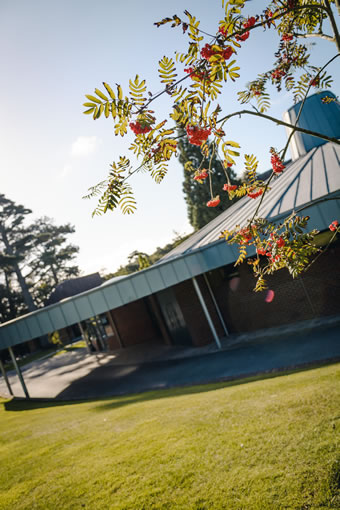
(52,53)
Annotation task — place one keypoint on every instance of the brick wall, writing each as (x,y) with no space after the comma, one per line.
(194,317)
(135,323)
(315,294)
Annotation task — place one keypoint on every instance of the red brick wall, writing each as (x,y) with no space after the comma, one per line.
(316,294)
(134,323)
(193,314)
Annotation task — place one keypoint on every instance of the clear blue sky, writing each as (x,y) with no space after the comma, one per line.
(54,52)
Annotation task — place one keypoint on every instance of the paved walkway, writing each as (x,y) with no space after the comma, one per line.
(78,375)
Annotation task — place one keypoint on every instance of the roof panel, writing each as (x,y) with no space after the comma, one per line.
(181,269)
(56,317)
(97,302)
(83,307)
(169,276)
(140,285)
(11,336)
(155,279)
(34,326)
(22,329)
(112,296)
(69,311)
(126,291)
(45,321)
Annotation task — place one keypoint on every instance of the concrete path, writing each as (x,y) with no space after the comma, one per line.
(77,375)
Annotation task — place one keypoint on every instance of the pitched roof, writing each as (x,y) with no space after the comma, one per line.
(74,286)
(306,180)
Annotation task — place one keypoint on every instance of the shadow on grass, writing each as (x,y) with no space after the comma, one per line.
(114,402)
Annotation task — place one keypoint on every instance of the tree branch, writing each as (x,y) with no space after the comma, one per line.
(281,123)
(333,23)
(321,35)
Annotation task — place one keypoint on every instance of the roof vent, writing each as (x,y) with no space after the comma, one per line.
(316,116)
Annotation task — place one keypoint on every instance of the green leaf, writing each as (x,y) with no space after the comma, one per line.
(100,94)
(233,144)
(92,98)
(109,90)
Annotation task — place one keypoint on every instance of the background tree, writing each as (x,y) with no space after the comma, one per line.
(34,258)
(52,257)
(11,299)
(140,260)
(197,191)
(16,244)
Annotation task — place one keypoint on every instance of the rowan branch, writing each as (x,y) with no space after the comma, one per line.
(281,123)
(319,34)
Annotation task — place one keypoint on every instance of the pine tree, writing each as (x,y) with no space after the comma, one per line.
(197,194)
(52,257)
(15,242)
(34,259)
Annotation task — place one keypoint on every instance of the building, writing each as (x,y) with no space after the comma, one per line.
(194,295)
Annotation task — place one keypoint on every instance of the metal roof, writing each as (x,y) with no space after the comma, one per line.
(314,113)
(312,177)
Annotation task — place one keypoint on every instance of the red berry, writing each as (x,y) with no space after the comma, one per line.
(214,202)
(229,187)
(334,225)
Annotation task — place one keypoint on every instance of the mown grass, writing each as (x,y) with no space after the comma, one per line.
(252,445)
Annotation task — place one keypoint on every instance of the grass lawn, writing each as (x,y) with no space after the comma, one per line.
(255,444)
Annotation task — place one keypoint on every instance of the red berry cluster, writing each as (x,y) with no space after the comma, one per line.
(247,24)
(287,37)
(214,201)
(276,162)
(334,225)
(200,75)
(200,177)
(279,243)
(229,187)
(254,194)
(207,52)
(222,31)
(315,82)
(197,135)
(256,89)
(277,74)
(138,128)
(246,234)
